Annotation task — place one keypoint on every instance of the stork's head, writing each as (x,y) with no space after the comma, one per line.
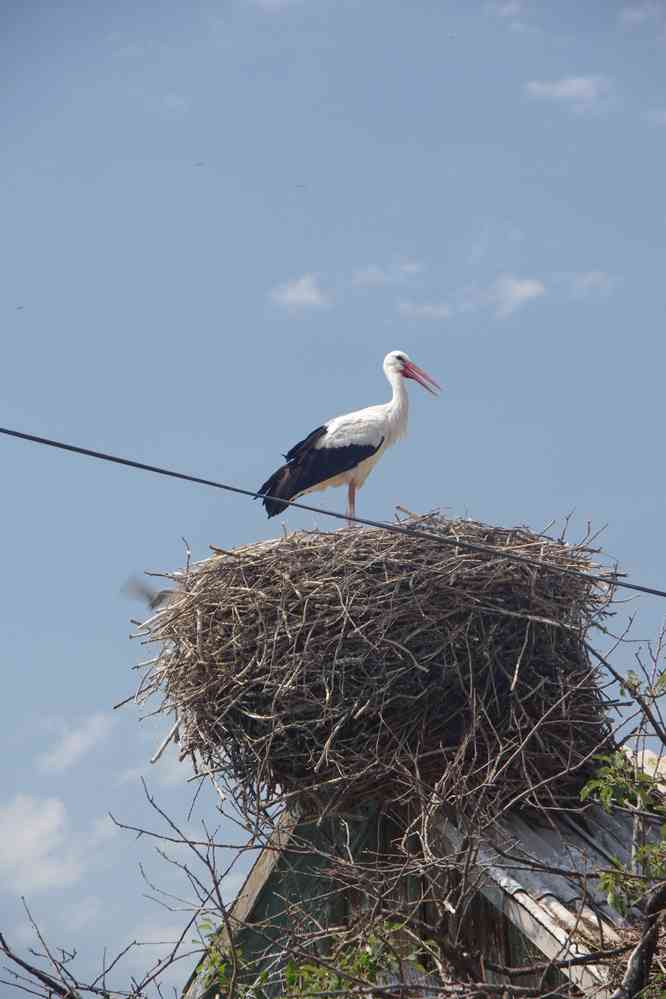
(397,362)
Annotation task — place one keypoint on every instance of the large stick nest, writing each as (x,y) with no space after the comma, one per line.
(339,666)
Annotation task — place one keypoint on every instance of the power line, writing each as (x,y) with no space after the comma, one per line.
(610,579)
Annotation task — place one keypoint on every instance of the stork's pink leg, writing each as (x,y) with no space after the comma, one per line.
(351,503)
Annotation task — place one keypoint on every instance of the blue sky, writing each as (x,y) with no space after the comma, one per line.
(217,219)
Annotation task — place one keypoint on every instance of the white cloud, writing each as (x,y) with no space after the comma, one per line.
(154,942)
(579,92)
(411,266)
(103,829)
(132,774)
(371,276)
(592,283)
(36,852)
(480,247)
(273,5)
(507,8)
(300,293)
(173,770)
(157,933)
(81,914)
(74,744)
(657,117)
(176,104)
(168,771)
(374,276)
(638,13)
(512,12)
(424,310)
(509,293)
(25,934)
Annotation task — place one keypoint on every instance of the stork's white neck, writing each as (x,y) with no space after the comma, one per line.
(397,410)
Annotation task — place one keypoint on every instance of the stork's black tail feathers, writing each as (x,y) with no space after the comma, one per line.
(280,484)
(292,478)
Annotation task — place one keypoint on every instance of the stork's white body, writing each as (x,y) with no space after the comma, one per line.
(344,450)
(375,426)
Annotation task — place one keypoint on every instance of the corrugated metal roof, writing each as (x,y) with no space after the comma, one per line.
(568,844)
(537,875)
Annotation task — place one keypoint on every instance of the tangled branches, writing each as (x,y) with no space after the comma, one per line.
(335,667)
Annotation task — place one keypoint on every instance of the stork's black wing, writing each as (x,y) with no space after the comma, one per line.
(308,466)
(307,442)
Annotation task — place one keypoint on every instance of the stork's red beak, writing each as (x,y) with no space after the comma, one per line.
(422,377)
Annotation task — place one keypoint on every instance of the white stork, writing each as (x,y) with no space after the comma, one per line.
(346,448)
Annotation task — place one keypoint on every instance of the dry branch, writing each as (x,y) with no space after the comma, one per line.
(333,667)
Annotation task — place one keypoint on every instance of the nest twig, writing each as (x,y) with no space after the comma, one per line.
(333,667)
